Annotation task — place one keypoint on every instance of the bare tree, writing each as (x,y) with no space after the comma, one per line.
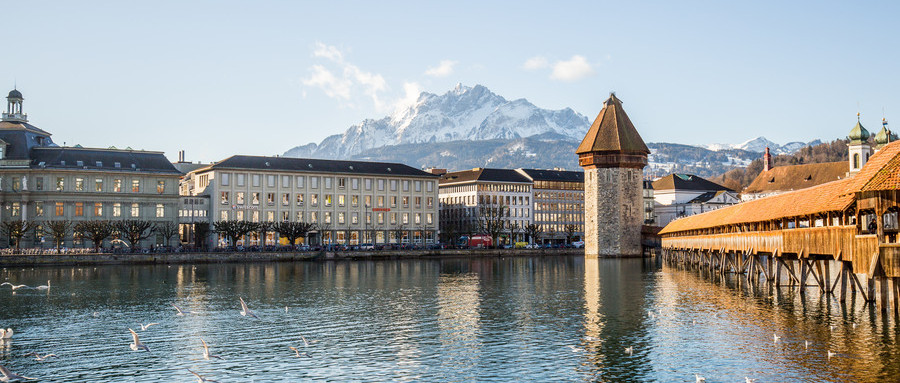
(17,229)
(293,230)
(513,228)
(492,220)
(534,232)
(167,230)
(264,228)
(58,230)
(234,230)
(201,232)
(96,231)
(398,232)
(570,232)
(135,231)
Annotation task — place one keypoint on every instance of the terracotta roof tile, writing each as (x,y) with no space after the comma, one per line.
(612,131)
(796,177)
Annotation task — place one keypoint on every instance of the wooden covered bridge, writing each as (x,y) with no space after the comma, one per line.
(795,238)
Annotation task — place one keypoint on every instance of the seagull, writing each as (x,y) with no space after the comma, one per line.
(206,354)
(285,309)
(38,357)
(629,350)
(806,344)
(180,311)
(305,343)
(748,380)
(831,354)
(15,287)
(144,327)
(6,334)
(699,378)
(775,337)
(245,311)
(43,287)
(201,378)
(8,376)
(299,354)
(137,345)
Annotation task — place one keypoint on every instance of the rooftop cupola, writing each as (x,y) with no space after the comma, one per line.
(858,134)
(14,107)
(884,135)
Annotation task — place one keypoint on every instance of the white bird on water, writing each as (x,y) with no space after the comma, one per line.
(806,344)
(180,311)
(629,350)
(201,378)
(15,287)
(8,376)
(831,354)
(137,345)
(6,334)
(245,311)
(144,327)
(699,378)
(748,380)
(43,287)
(38,357)
(206,354)
(775,337)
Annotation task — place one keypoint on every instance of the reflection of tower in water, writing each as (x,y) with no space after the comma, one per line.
(458,316)
(593,318)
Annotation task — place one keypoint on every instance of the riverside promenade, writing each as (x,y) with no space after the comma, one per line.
(88,259)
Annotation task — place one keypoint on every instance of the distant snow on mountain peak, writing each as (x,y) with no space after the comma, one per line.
(759,145)
(462,113)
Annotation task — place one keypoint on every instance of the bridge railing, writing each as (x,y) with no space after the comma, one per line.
(829,240)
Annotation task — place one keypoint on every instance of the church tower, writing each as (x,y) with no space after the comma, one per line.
(859,147)
(613,156)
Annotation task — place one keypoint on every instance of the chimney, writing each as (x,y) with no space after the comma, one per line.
(767,160)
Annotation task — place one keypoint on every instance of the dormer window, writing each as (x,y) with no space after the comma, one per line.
(117,165)
(79,163)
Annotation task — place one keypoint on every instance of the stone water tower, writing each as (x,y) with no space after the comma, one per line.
(613,156)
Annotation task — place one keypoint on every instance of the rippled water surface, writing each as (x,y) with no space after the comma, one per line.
(447,320)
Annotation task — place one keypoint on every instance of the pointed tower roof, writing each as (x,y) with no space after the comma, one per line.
(612,131)
(858,134)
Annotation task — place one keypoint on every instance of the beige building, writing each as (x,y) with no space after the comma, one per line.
(351,202)
(558,202)
(41,181)
(464,193)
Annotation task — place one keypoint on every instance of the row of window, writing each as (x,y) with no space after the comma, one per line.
(327,200)
(473,211)
(559,185)
(118,185)
(326,217)
(78,209)
(240,180)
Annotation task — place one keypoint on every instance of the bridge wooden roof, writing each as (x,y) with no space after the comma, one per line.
(879,173)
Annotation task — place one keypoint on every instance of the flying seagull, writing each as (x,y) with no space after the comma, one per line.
(245,311)
(299,354)
(15,287)
(180,311)
(38,357)
(201,378)
(206,354)
(137,345)
(8,376)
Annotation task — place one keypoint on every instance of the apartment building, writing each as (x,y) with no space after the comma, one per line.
(351,202)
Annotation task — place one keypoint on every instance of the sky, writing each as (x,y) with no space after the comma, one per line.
(217,78)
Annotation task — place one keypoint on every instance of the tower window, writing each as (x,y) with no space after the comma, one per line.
(856,160)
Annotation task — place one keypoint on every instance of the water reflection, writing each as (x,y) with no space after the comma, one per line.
(523,319)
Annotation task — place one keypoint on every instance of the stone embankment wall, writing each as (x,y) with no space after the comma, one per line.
(176,258)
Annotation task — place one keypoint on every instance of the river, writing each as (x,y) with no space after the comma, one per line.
(560,318)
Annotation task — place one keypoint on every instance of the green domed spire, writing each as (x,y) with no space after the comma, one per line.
(858,134)
(884,135)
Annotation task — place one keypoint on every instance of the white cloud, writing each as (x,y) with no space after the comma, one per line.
(574,69)
(344,81)
(536,62)
(444,69)
(411,91)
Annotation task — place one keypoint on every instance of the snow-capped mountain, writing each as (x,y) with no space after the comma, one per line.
(463,113)
(759,145)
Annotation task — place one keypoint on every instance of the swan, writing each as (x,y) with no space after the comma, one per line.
(245,311)
(43,287)
(137,345)
(6,334)
(699,378)
(206,354)
(629,350)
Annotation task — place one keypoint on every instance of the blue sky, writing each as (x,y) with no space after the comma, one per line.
(217,78)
